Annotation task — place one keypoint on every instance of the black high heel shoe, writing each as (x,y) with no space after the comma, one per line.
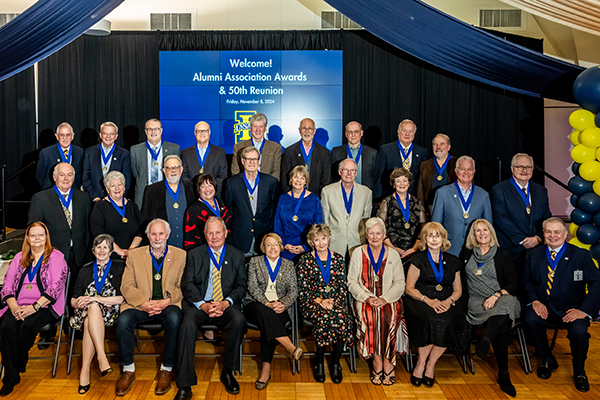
(106,372)
(427,381)
(84,389)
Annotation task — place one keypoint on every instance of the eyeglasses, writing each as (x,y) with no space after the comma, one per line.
(345,171)
(153,130)
(356,132)
(307,129)
(202,131)
(173,168)
(108,133)
(251,159)
(466,169)
(522,168)
(434,236)
(64,135)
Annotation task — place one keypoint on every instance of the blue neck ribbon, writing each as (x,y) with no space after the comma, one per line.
(120,210)
(214,209)
(307,156)
(557,257)
(214,260)
(299,203)
(376,265)
(348,200)
(349,152)
(526,199)
(174,195)
(154,154)
(34,270)
(106,158)
(262,144)
(154,263)
(438,272)
(273,274)
(402,153)
(440,170)
(247,182)
(66,202)
(325,271)
(62,153)
(479,265)
(99,282)
(201,160)
(405,210)
(465,203)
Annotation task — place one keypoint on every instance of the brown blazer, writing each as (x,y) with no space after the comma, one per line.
(136,283)
(426,176)
(270,159)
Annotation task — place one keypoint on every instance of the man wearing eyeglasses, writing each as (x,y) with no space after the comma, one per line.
(519,207)
(147,158)
(168,199)
(204,158)
(364,156)
(310,153)
(63,151)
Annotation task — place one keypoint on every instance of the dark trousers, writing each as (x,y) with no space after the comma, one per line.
(578,336)
(17,339)
(270,324)
(170,318)
(498,332)
(232,322)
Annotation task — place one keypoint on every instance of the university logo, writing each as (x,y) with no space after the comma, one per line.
(241,129)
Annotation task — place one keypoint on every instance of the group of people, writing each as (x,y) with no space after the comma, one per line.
(401,251)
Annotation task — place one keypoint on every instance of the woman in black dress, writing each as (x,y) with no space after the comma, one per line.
(433,319)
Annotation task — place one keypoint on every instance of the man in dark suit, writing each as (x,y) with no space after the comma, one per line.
(147,158)
(363,156)
(251,197)
(270,152)
(519,207)
(169,199)
(436,172)
(401,153)
(63,151)
(310,153)
(555,280)
(98,160)
(213,285)
(204,158)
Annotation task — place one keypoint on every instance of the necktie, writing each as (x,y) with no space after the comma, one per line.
(550,274)
(66,151)
(217,294)
(154,169)
(67,212)
(406,162)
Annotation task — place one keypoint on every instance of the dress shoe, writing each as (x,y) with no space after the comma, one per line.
(545,369)
(124,383)
(184,394)
(336,373)
(505,384)
(319,373)
(231,385)
(581,382)
(427,381)
(6,390)
(164,382)
(259,385)
(83,389)
(416,381)
(482,348)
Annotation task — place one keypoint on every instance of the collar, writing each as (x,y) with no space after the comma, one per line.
(107,149)
(556,249)
(220,250)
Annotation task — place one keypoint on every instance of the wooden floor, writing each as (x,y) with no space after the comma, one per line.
(451,383)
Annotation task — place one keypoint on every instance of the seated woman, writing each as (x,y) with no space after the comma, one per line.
(272,291)
(297,210)
(34,296)
(96,300)
(376,281)
(433,319)
(323,300)
(116,216)
(491,279)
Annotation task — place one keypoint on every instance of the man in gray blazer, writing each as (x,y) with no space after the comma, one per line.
(354,149)
(270,152)
(457,205)
(344,205)
(147,158)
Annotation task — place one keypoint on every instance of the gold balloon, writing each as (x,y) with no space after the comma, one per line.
(574,138)
(576,242)
(581,154)
(590,137)
(581,120)
(573,229)
(590,170)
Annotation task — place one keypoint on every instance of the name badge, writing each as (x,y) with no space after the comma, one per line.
(578,275)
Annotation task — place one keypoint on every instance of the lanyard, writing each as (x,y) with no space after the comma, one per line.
(62,153)
(307,156)
(66,202)
(154,263)
(174,195)
(154,154)
(201,160)
(405,211)
(376,265)
(106,158)
(325,271)
(299,203)
(349,152)
(248,186)
(120,210)
(34,270)
(99,282)
(273,274)
(348,200)
(440,170)
(214,260)
(438,272)
(215,210)
(465,203)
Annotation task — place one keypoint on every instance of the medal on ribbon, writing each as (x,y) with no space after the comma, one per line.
(216,211)
(376,265)
(155,264)
(438,272)
(65,202)
(307,156)
(33,272)
(405,210)
(349,152)
(62,153)
(325,270)
(478,270)
(262,144)
(298,204)
(201,160)
(214,260)
(99,281)
(106,158)
(554,263)
(526,199)
(249,187)
(120,210)
(153,153)
(404,155)
(440,170)
(174,195)
(465,203)
(347,200)
(273,273)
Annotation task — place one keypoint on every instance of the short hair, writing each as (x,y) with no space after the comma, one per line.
(158,221)
(371,222)
(317,230)
(172,157)
(407,121)
(433,227)
(153,120)
(273,236)
(206,178)
(399,172)
(553,220)
(513,161)
(108,123)
(442,135)
(202,122)
(65,125)
(213,218)
(113,175)
(465,158)
(345,160)
(54,172)
(472,240)
(249,149)
(260,117)
(110,241)
(299,170)
(353,122)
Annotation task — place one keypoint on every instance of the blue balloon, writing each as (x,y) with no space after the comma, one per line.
(580,217)
(596,219)
(578,185)
(575,166)
(586,89)
(595,250)
(574,198)
(589,202)
(588,234)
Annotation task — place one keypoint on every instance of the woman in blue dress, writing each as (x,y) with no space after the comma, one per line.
(297,211)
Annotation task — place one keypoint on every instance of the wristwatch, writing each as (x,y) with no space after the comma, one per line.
(36,306)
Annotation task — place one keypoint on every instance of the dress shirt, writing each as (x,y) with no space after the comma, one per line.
(465,193)
(104,152)
(201,150)
(209,288)
(66,195)
(176,217)
(410,156)
(354,152)
(306,151)
(151,162)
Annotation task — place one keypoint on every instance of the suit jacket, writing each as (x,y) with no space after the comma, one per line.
(320,168)
(215,164)
(511,220)
(245,225)
(136,283)
(194,282)
(155,205)
(47,208)
(389,158)
(344,233)
(566,293)
(367,158)
(427,173)
(447,210)
(92,169)
(270,159)
(139,165)
(49,157)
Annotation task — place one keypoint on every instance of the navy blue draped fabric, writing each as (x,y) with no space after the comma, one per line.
(44,28)
(450,44)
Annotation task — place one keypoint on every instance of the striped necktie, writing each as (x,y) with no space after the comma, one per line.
(154,169)
(550,274)
(217,294)
(66,151)
(68,215)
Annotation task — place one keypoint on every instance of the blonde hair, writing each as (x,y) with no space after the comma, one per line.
(273,236)
(472,240)
(431,227)
(300,170)
(317,230)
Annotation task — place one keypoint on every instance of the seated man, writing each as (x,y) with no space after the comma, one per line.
(213,286)
(150,286)
(555,280)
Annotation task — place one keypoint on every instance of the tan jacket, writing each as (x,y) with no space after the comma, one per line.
(270,160)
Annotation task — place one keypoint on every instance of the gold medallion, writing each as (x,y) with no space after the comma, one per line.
(439,178)
(157,277)
(478,271)
(272,286)
(251,198)
(376,278)
(124,220)
(551,274)
(67,212)
(104,169)
(176,205)
(466,215)
(348,217)
(156,163)
(327,289)
(407,225)
(295,218)
(29,287)
(438,288)
(201,170)
(528,210)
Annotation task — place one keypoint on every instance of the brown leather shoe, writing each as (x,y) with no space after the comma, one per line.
(164,382)
(124,383)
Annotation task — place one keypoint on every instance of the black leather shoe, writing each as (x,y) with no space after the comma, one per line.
(6,390)
(336,373)
(416,381)
(184,394)
(319,373)
(545,369)
(231,385)
(581,382)
(506,385)
(427,381)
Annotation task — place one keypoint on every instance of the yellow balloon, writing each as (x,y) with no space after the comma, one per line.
(590,170)
(581,120)
(573,229)
(574,138)
(576,242)
(581,154)
(590,137)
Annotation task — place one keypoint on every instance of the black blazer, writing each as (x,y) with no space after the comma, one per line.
(86,276)
(47,208)
(389,158)
(194,281)
(154,204)
(566,293)
(92,169)
(245,225)
(49,157)
(215,165)
(367,157)
(320,168)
